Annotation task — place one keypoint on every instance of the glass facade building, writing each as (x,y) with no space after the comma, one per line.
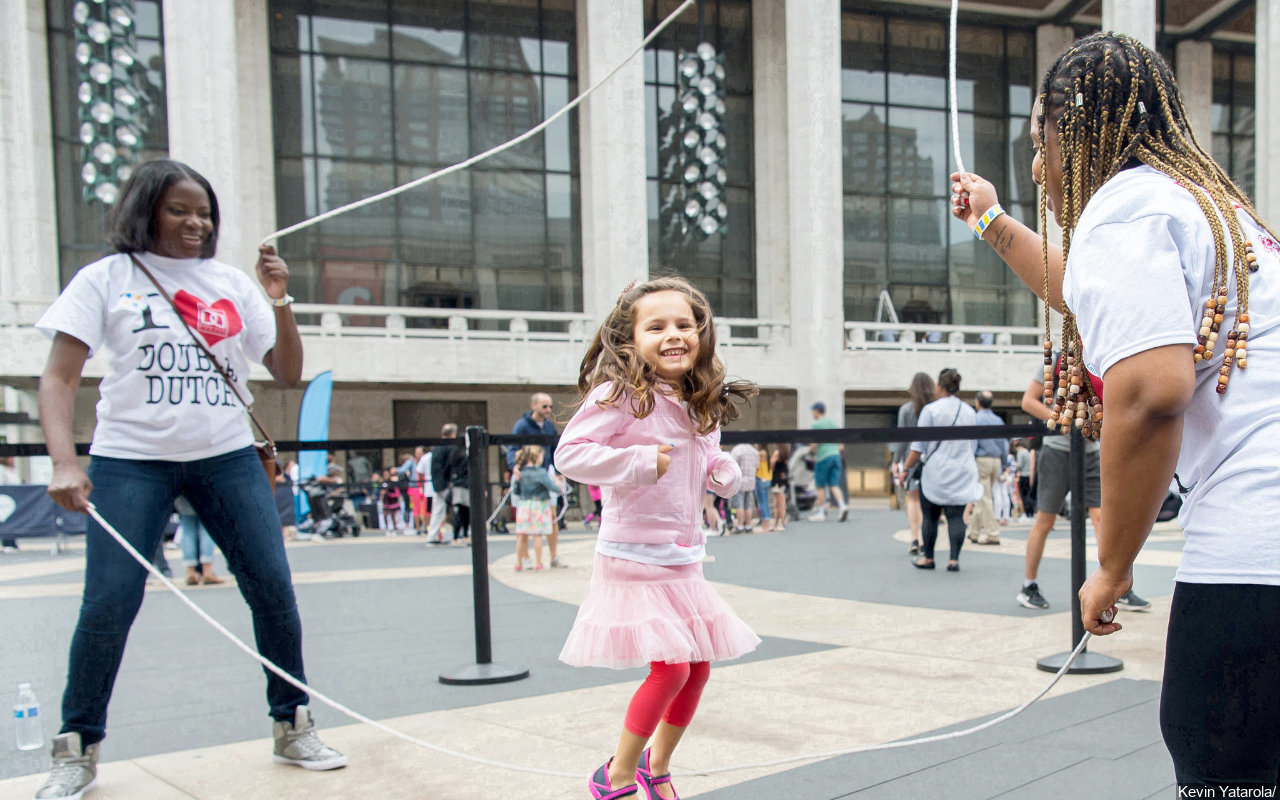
(369,95)
(1233,117)
(900,238)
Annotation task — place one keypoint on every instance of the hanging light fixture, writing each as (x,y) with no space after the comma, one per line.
(109,95)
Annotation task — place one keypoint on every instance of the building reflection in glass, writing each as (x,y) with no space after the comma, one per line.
(386,96)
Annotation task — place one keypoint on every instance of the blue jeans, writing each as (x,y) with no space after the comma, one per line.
(197,545)
(762,499)
(230,494)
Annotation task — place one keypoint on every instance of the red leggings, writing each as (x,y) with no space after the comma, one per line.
(670,693)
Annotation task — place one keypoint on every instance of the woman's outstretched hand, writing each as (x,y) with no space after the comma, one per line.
(971,196)
(273,273)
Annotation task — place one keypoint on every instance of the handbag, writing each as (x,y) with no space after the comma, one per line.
(266,448)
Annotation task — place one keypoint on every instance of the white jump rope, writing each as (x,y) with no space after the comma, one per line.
(252,653)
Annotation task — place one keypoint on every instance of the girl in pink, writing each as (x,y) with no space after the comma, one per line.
(648,433)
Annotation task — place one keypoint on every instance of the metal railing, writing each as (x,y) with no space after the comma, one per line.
(942,338)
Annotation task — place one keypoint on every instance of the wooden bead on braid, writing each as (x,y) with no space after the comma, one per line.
(1115,103)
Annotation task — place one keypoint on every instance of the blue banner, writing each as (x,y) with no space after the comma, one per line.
(313,424)
(29,511)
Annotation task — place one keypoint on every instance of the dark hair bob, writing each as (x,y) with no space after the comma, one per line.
(949,380)
(131,227)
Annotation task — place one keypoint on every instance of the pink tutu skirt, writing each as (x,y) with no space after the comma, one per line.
(636,613)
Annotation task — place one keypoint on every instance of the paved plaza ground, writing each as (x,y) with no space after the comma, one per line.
(859,649)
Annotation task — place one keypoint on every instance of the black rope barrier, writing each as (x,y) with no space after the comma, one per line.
(832,435)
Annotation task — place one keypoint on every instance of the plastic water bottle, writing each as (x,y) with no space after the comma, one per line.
(26,719)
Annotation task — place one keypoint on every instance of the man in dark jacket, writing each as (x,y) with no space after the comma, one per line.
(539,420)
(440,457)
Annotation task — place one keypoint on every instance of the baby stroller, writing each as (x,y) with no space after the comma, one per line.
(329,516)
(800,495)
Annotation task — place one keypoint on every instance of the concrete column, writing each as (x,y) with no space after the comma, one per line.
(1051,42)
(814,202)
(1194,70)
(256,186)
(611,147)
(28,234)
(1134,17)
(769,96)
(1267,110)
(219,111)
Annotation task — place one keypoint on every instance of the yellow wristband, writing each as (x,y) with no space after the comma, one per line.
(986,219)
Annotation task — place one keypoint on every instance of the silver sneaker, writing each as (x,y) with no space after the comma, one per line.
(297,743)
(73,771)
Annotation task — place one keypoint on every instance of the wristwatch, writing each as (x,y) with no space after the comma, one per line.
(282,302)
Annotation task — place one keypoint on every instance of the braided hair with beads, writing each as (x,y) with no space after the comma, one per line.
(1115,105)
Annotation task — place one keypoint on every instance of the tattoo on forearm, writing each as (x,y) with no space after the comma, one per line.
(1003,240)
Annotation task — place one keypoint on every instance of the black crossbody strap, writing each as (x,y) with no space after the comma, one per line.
(266,436)
(936,445)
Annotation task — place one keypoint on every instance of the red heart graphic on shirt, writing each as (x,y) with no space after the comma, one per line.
(214,321)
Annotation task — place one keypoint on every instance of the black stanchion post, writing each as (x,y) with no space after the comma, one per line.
(1086,663)
(484,671)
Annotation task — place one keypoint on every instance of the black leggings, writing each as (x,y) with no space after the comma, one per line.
(1220,704)
(929,528)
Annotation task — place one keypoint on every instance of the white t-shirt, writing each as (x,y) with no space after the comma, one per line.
(161,398)
(423,475)
(950,473)
(1140,270)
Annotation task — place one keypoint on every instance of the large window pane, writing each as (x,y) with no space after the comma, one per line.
(862,76)
(917,151)
(980,78)
(435,220)
(864,140)
(434,32)
(376,93)
(503,106)
(917,63)
(353,107)
(510,219)
(899,235)
(917,241)
(431,114)
(865,240)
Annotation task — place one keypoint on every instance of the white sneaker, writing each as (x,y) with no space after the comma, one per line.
(73,771)
(844,513)
(297,743)
(818,516)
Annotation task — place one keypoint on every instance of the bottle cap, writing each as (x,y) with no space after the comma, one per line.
(22,686)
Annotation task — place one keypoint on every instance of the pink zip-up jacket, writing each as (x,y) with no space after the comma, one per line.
(615,450)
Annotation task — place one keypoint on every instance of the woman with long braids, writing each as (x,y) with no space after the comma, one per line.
(1166,277)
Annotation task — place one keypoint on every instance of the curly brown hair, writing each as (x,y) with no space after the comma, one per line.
(612,356)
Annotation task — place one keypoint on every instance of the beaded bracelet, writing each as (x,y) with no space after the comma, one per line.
(986,219)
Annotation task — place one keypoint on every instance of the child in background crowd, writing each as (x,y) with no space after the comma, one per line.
(536,511)
(780,485)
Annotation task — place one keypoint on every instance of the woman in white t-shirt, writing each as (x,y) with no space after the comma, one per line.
(1160,275)
(168,425)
